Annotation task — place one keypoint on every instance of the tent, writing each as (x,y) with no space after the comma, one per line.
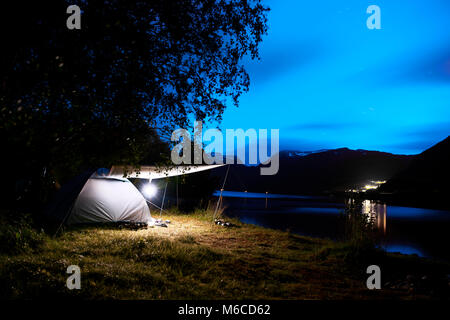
(107,196)
(109,199)
(97,197)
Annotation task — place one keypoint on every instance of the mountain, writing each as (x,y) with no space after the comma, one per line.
(428,172)
(313,172)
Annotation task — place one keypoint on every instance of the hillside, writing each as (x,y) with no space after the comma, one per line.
(317,172)
(424,182)
(428,172)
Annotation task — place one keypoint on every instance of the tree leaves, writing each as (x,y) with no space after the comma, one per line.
(134,66)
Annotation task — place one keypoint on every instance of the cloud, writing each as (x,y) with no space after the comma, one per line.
(278,59)
(300,144)
(412,146)
(432,131)
(432,67)
(324,126)
(419,139)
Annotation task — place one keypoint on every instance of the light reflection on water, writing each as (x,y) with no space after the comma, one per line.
(419,231)
(375,212)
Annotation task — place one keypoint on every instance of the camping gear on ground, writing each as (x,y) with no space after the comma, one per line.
(224,223)
(160,223)
(132,225)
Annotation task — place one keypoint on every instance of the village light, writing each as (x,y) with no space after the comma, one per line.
(149,190)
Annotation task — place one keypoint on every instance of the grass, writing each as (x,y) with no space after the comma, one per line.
(196,259)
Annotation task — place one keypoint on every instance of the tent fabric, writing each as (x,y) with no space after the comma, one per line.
(151,172)
(94,197)
(109,199)
(61,204)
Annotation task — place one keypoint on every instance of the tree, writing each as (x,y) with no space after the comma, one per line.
(72,99)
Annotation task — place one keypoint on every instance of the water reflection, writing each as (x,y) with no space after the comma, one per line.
(375,212)
(402,229)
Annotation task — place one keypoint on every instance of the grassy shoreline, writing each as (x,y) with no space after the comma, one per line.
(196,259)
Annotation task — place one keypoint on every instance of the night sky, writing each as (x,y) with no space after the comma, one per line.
(327,81)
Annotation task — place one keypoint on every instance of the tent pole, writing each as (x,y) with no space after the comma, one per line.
(156,206)
(177,191)
(164,197)
(221,190)
(65,219)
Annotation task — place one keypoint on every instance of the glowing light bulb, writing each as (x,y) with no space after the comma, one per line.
(149,190)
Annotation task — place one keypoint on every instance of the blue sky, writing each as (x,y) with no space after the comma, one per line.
(327,81)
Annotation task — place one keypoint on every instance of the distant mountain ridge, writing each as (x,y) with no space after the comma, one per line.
(313,172)
(301,153)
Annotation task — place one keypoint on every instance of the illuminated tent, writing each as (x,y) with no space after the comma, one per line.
(96,198)
(109,199)
(108,196)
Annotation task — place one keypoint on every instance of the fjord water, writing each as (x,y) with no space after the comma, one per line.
(425,232)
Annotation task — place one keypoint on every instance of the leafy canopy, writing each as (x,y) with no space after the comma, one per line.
(99,95)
